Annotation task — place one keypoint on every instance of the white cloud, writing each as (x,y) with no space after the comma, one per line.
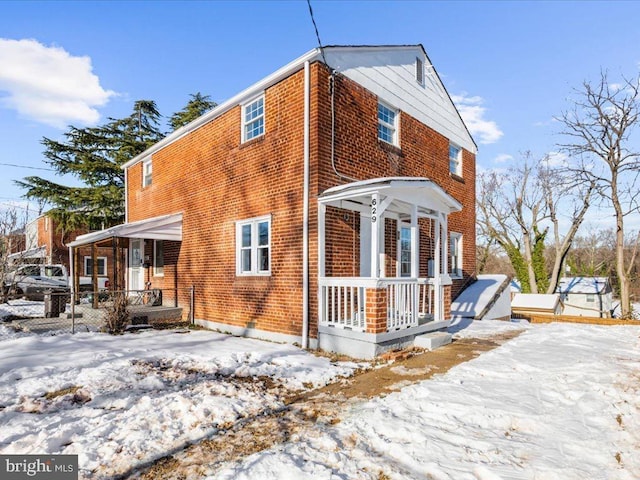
(473,113)
(49,85)
(502,158)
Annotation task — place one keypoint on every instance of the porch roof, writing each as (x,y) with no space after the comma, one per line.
(166,227)
(420,191)
(37,252)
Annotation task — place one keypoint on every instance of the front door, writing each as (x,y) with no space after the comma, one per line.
(136,270)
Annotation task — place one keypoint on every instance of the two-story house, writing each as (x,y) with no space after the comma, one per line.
(332,204)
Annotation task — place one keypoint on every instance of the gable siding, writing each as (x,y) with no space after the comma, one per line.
(390,74)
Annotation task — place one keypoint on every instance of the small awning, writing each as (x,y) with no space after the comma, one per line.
(166,227)
(38,252)
(424,193)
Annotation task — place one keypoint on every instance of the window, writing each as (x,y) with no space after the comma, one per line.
(147,172)
(455,160)
(455,254)
(419,71)
(88,266)
(253,245)
(591,297)
(253,119)
(387,124)
(158,258)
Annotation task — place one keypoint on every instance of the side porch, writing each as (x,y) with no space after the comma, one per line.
(402,254)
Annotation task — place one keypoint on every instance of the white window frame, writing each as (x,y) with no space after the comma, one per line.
(88,261)
(455,239)
(391,126)
(455,162)
(253,248)
(246,123)
(158,271)
(147,172)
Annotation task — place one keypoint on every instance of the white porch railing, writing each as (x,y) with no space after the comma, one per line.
(342,301)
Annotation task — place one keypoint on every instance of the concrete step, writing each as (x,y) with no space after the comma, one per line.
(432,340)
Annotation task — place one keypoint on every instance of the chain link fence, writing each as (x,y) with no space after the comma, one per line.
(88,311)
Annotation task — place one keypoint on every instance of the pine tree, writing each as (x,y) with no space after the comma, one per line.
(94,156)
(197,106)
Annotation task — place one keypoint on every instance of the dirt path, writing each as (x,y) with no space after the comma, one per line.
(304,411)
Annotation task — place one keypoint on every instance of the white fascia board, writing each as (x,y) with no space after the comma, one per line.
(240,98)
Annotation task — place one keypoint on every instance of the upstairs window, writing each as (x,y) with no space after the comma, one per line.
(253,119)
(253,246)
(147,172)
(455,160)
(455,254)
(102,266)
(387,124)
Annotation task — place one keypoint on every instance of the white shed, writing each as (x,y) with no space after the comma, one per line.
(586,296)
(536,304)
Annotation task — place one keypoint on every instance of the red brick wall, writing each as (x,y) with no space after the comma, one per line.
(215,181)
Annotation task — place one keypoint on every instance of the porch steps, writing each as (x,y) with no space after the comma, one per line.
(432,340)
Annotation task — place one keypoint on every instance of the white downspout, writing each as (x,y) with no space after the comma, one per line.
(305,212)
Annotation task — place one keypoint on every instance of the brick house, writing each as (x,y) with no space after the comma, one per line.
(331,204)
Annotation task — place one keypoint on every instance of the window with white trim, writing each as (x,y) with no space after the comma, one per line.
(387,124)
(147,172)
(158,258)
(253,246)
(455,254)
(253,119)
(88,266)
(455,160)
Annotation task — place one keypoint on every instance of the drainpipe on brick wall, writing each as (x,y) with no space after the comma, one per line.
(305,213)
(126,202)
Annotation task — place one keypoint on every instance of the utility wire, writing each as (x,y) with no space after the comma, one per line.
(317,33)
(26,166)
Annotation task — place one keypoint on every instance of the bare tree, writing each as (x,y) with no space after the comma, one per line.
(519,208)
(598,128)
(12,242)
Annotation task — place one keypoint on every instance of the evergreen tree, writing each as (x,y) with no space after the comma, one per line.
(197,106)
(94,156)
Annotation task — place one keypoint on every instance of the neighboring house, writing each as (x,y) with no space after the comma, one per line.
(331,205)
(45,244)
(586,296)
(524,304)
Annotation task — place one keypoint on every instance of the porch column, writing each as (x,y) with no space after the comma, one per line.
(415,243)
(437,279)
(322,213)
(376,221)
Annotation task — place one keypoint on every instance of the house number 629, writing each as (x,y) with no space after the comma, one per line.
(374,210)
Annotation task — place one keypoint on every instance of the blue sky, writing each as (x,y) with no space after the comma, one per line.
(509,65)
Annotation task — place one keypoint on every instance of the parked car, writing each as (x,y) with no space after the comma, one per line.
(33,281)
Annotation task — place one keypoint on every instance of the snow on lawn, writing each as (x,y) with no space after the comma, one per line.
(21,309)
(119,401)
(560,401)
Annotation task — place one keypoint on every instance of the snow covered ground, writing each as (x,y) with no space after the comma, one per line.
(560,401)
(121,401)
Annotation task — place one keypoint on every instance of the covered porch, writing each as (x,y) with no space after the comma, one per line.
(403,286)
(133,253)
